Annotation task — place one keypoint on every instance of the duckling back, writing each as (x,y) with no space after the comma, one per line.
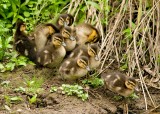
(52,55)
(42,33)
(116,82)
(86,33)
(69,70)
(85,50)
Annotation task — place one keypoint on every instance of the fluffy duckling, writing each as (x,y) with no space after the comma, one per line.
(64,20)
(119,83)
(86,33)
(74,68)
(91,51)
(69,38)
(22,42)
(42,33)
(52,54)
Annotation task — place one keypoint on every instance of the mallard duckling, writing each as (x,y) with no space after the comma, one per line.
(91,51)
(74,68)
(42,33)
(22,42)
(86,33)
(52,54)
(64,20)
(119,83)
(69,38)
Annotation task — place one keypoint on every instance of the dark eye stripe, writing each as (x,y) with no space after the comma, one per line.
(83,62)
(61,19)
(56,38)
(132,83)
(93,51)
(66,32)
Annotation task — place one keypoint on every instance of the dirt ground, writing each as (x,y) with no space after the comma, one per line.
(100,101)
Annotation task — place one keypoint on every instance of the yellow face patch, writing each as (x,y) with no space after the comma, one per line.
(57,41)
(67,20)
(61,21)
(65,34)
(130,85)
(81,63)
(51,30)
(92,36)
(22,28)
(91,52)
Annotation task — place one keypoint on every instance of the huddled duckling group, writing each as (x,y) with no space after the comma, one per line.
(73,50)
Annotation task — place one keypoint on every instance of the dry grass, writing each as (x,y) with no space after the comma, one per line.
(130,37)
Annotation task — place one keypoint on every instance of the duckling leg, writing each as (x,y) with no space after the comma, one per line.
(125,108)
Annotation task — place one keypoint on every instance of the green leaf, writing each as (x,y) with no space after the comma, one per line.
(25,3)
(26,14)
(14,8)
(5,83)
(94,4)
(33,99)
(16,98)
(10,14)
(20,89)
(53,89)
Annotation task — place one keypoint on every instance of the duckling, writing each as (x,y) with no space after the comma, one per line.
(74,68)
(69,38)
(42,33)
(91,51)
(64,20)
(52,54)
(86,33)
(22,42)
(119,83)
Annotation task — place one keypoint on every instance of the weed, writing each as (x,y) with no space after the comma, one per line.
(74,90)
(5,83)
(12,100)
(93,82)
(53,89)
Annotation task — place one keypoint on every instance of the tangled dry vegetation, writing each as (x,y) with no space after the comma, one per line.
(130,37)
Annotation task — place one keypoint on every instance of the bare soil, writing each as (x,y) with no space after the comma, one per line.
(100,101)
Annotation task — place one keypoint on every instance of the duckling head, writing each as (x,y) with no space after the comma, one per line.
(58,40)
(20,25)
(93,36)
(93,51)
(68,32)
(130,83)
(65,20)
(82,62)
(52,29)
